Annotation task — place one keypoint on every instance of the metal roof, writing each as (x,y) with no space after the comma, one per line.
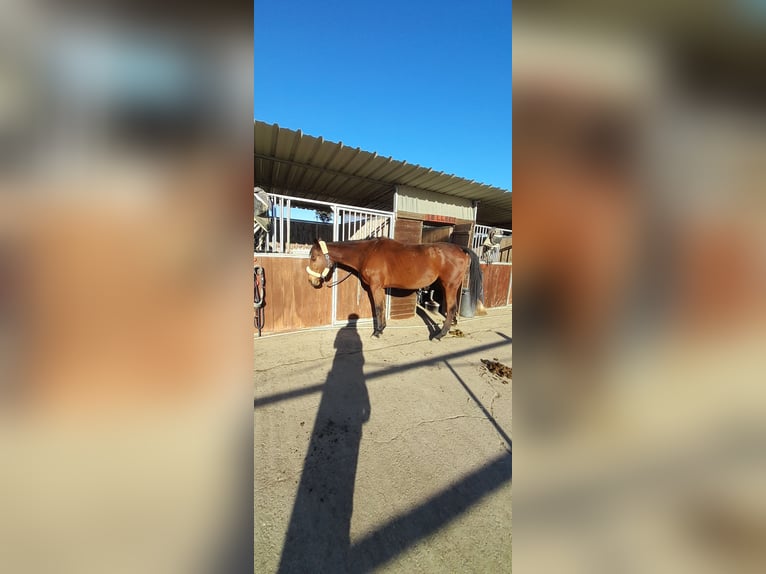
(293,163)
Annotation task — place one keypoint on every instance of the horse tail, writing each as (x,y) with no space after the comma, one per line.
(475,279)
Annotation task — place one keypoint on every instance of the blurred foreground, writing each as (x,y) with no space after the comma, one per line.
(640,408)
(125,329)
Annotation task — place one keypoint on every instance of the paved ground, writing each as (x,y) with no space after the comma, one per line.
(389,455)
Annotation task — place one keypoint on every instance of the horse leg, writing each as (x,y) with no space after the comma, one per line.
(450,302)
(457,298)
(379,301)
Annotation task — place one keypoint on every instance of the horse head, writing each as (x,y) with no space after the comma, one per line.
(320,265)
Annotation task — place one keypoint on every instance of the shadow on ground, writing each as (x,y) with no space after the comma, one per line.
(318,534)
(405,531)
(433,326)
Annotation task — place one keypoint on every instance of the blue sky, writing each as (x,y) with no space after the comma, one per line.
(424,81)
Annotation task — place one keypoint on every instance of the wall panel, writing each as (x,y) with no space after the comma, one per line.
(496,281)
(352,298)
(407,231)
(291,301)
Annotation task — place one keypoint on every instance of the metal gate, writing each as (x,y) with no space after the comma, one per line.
(351,223)
(287,234)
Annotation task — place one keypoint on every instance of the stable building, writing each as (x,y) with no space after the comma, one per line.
(309,188)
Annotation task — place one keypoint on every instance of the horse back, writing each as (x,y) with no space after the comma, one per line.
(413,266)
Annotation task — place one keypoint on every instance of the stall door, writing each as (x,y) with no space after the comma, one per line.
(403,302)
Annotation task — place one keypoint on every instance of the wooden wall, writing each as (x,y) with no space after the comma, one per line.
(506,252)
(352,297)
(437,234)
(496,281)
(408,230)
(462,234)
(403,303)
(291,302)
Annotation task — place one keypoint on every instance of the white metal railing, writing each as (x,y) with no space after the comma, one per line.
(353,223)
(286,234)
(480,234)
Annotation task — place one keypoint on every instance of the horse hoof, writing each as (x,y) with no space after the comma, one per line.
(376,334)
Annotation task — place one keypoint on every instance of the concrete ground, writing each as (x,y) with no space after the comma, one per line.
(385,455)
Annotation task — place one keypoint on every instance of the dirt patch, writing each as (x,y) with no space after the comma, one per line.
(495,367)
(457,333)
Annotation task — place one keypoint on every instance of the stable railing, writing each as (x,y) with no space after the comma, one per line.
(292,224)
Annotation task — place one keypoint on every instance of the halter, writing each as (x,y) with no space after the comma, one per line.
(326,270)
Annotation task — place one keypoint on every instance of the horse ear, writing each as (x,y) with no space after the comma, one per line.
(316,242)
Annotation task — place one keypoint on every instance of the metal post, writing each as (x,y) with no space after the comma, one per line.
(274,223)
(390,219)
(281,225)
(289,205)
(335,222)
(275,228)
(277,223)
(335,231)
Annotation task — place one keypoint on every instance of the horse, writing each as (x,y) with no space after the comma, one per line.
(382,263)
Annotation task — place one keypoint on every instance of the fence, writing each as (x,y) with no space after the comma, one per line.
(286,233)
(503,251)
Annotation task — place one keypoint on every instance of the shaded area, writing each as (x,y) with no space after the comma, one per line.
(433,326)
(318,534)
(405,531)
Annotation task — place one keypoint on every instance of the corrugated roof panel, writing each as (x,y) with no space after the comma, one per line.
(311,167)
(374,166)
(349,156)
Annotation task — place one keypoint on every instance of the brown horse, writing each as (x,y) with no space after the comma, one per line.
(383,263)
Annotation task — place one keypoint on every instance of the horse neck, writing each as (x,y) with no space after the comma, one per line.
(350,255)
